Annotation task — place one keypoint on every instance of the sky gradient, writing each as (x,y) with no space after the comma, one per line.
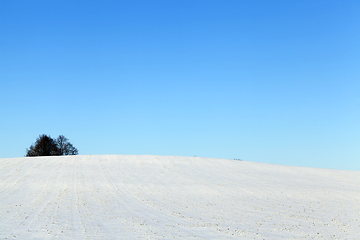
(264,81)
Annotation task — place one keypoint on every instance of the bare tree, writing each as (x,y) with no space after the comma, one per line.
(65,147)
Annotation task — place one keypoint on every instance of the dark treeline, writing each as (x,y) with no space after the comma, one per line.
(47,146)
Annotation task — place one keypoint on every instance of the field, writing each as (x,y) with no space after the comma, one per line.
(163,197)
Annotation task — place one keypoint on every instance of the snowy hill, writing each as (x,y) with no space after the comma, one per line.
(160,197)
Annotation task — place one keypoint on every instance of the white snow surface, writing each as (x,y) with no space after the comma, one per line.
(164,197)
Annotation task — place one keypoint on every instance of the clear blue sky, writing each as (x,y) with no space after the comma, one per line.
(264,81)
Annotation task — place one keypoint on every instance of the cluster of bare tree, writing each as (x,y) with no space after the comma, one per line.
(47,146)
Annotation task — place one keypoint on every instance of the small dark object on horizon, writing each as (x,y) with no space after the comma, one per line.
(47,146)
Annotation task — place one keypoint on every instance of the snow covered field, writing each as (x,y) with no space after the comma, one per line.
(160,197)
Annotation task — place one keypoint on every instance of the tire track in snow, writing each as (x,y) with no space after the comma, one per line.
(38,204)
(169,219)
(12,167)
(143,210)
(94,194)
(17,178)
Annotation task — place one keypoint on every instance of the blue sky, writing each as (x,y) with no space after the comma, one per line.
(264,81)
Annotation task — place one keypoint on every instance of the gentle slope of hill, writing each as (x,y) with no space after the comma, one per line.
(160,197)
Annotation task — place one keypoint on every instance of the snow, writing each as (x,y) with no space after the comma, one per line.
(163,197)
